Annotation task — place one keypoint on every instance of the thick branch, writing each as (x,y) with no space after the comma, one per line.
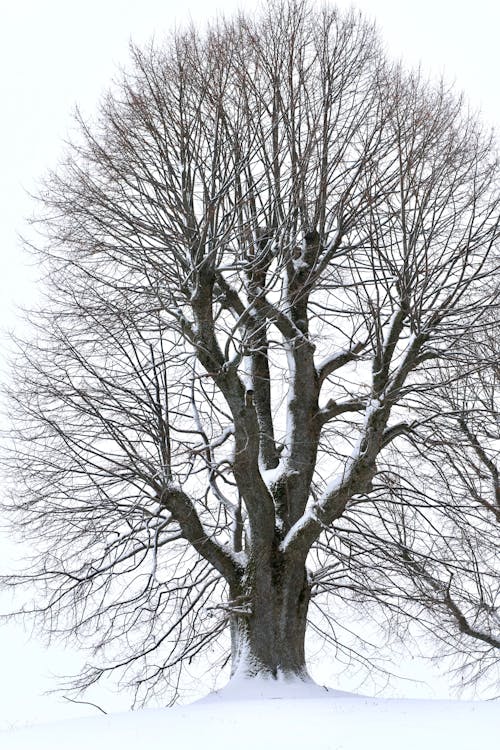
(182,509)
(391,433)
(385,351)
(246,428)
(258,347)
(356,479)
(336,408)
(338,360)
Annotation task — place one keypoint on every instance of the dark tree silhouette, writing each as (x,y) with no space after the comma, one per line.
(256,257)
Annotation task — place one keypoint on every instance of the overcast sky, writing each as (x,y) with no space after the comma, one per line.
(55,54)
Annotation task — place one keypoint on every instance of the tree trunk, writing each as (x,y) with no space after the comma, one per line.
(268,621)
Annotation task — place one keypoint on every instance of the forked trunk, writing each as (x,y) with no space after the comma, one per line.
(269,621)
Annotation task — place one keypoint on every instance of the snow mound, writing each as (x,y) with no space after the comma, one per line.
(241,689)
(324,720)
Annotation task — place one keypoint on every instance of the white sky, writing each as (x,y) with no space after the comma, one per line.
(54,54)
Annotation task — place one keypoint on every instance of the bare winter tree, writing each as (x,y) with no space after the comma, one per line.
(255,256)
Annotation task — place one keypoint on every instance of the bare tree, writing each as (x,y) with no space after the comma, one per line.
(254,255)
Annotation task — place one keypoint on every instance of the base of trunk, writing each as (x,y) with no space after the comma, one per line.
(268,631)
(280,688)
(249,669)
(270,651)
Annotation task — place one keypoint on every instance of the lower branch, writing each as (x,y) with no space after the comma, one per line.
(182,509)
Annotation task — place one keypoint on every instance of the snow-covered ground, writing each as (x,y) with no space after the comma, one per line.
(276,715)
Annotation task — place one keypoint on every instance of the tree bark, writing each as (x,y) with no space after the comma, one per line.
(268,619)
